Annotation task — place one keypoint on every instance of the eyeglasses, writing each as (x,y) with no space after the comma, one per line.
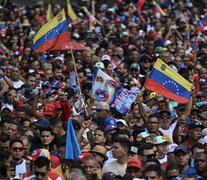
(18,148)
(133,85)
(150,156)
(163,117)
(40,173)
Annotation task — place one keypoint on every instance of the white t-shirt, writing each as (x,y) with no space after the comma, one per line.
(21,168)
(110,157)
(164,159)
(169,131)
(17,84)
(115,167)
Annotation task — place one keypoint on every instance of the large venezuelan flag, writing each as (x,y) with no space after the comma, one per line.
(52,34)
(3,49)
(165,81)
(157,9)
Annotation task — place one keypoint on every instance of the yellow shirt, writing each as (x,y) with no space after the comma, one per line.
(59,169)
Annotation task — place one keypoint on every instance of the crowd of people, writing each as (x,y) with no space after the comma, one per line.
(159,138)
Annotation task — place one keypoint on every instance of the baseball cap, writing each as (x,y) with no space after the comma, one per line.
(106,58)
(100,65)
(124,34)
(160,140)
(59,58)
(145,135)
(49,109)
(204,140)
(204,115)
(29,93)
(100,150)
(181,148)
(168,42)
(158,49)
(46,83)
(164,110)
(122,121)
(195,124)
(202,94)
(57,104)
(55,162)
(171,148)
(134,163)
(42,122)
(144,57)
(102,106)
(134,149)
(41,72)
(7,106)
(37,153)
(181,106)
(109,121)
(110,127)
(84,155)
(135,66)
(110,176)
(160,97)
(117,20)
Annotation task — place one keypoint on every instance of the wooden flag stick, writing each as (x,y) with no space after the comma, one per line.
(84,106)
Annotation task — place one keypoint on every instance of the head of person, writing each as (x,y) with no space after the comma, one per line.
(148,137)
(123,69)
(181,156)
(26,143)
(99,136)
(46,136)
(14,129)
(170,152)
(25,122)
(151,161)
(172,171)
(134,168)
(60,146)
(77,176)
(135,70)
(121,124)
(10,95)
(195,129)
(120,148)
(99,152)
(197,148)
(165,119)
(153,123)
(200,163)
(31,80)
(161,144)
(39,124)
(15,73)
(16,149)
(164,55)
(189,177)
(145,61)
(4,142)
(146,151)
(90,165)
(153,172)
(133,153)
(103,108)
(57,72)
(135,111)
(56,125)
(41,168)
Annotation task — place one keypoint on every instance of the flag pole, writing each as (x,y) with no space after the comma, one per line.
(75,69)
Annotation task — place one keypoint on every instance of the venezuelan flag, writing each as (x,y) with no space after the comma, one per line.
(157,9)
(71,14)
(199,24)
(3,49)
(2,25)
(164,80)
(91,19)
(92,10)
(49,12)
(52,34)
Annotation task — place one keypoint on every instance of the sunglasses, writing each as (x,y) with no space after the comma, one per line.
(134,70)
(171,177)
(18,149)
(151,156)
(163,117)
(40,173)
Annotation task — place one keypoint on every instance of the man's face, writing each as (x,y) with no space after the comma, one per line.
(148,153)
(17,151)
(48,74)
(41,173)
(98,137)
(162,149)
(200,163)
(90,166)
(182,158)
(5,146)
(134,56)
(58,74)
(178,61)
(9,70)
(133,172)
(121,70)
(12,131)
(10,96)
(26,147)
(165,120)
(195,133)
(15,73)
(145,64)
(31,81)
(46,137)
(117,150)
(61,153)
(19,115)
(151,175)
(152,125)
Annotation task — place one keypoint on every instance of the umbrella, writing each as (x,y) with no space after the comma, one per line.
(65,47)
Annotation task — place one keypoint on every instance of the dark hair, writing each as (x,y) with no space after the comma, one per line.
(154,168)
(120,132)
(4,155)
(23,120)
(153,160)
(197,145)
(60,142)
(41,162)
(173,166)
(102,130)
(54,121)
(4,138)
(145,146)
(14,141)
(154,116)
(77,166)
(29,75)
(47,128)
(124,142)
(19,126)
(106,63)
(189,176)
(56,67)
(26,109)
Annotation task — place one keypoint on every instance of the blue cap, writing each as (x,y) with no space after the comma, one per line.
(109,121)
(181,148)
(29,93)
(106,20)
(51,91)
(46,83)
(110,127)
(42,122)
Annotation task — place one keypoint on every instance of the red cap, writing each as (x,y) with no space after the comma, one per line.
(41,72)
(153,35)
(55,162)
(57,105)
(84,155)
(49,109)
(134,163)
(117,20)
(37,153)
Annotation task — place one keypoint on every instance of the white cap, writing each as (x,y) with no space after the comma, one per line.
(122,121)
(168,42)
(171,148)
(59,58)
(106,57)
(204,141)
(7,107)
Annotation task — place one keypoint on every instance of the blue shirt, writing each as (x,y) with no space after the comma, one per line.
(190,170)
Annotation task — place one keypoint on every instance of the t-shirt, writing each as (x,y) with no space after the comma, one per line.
(115,167)
(21,168)
(164,159)
(110,157)
(190,170)
(17,84)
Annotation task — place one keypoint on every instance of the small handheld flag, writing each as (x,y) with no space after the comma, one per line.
(49,12)
(71,14)
(157,8)
(3,49)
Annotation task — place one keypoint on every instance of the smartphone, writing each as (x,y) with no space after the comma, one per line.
(189,120)
(12,165)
